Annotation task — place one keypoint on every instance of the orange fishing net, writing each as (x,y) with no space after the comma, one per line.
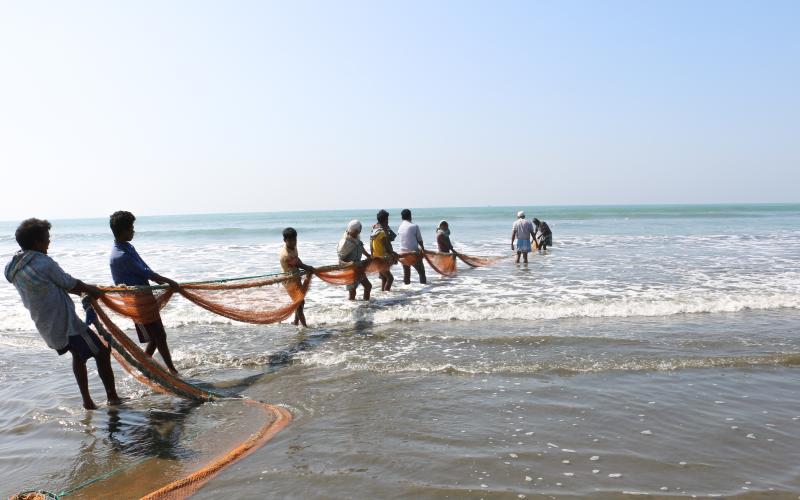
(442,263)
(277,419)
(129,355)
(152,374)
(352,273)
(251,300)
(478,261)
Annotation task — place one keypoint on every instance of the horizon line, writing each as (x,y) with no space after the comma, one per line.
(518,206)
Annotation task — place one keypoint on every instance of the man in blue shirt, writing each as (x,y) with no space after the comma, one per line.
(128,268)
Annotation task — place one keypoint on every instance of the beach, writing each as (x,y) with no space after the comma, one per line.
(653,350)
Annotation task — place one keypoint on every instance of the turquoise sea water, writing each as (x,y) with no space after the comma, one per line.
(677,320)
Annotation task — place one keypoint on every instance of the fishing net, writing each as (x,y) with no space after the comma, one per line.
(34,495)
(352,273)
(260,300)
(151,373)
(478,261)
(442,263)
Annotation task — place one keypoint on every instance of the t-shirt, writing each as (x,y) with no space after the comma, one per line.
(348,249)
(43,287)
(127,267)
(410,236)
(378,240)
(288,260)
(524,229)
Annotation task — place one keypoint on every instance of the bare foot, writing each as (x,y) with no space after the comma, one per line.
(115,401)
(89,405)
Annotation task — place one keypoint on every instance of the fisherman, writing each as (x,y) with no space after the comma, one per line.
(381,240)
(545,235)
(411,242)
(291,263)
(522,231)
(350,250)
(443,237)
(128,268)
(44,288)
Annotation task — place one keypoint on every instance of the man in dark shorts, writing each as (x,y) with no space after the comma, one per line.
(545,238)
(128,268)
(44,288)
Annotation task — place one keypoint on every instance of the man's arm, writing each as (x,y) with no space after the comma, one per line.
(364,251)
(304,267)
(419,239)
(162,279)
(81,287)
(513,237)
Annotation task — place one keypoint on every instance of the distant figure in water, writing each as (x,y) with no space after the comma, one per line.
(411,242)
(522,231)
(443,237)
(381,240)
(128,268)
(44,288)
(291,263)
(545,235)
(350,250)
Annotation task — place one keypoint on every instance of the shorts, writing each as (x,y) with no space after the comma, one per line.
(148,331)
(86,345)
(546,240)
(523,245)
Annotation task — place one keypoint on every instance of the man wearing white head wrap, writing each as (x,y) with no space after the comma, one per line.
(522,230)
(350,249)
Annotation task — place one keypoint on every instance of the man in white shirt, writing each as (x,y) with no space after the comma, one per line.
(522,230)
(411,242)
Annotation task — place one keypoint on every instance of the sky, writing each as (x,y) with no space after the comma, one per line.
(186,107)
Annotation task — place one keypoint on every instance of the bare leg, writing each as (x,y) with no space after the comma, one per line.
(367,288)
(525,257)
(518,254)
(299,315)
(351,294)
(389,280)
(79,369)
(163,349)
(103,361)
(406,274)
(151,348)
(383,281)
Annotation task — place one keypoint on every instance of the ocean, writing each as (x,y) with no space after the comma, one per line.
(652,350)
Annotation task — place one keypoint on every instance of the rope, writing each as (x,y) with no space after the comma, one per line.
(278,419)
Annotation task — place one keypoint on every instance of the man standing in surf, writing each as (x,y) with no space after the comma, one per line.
(128,268)
(411,242)
(43,287)
(522,230)
(381,247)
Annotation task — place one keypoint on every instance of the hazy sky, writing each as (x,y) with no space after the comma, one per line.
(163,107)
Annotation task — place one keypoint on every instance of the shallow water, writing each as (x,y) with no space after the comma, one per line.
(653,350)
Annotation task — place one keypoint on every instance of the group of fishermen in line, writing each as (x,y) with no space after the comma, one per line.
(44,287)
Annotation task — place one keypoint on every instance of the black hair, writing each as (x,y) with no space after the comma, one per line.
(120,221)
(382,215)
(30,232)
(405,214)
(289,233)
(536,221)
